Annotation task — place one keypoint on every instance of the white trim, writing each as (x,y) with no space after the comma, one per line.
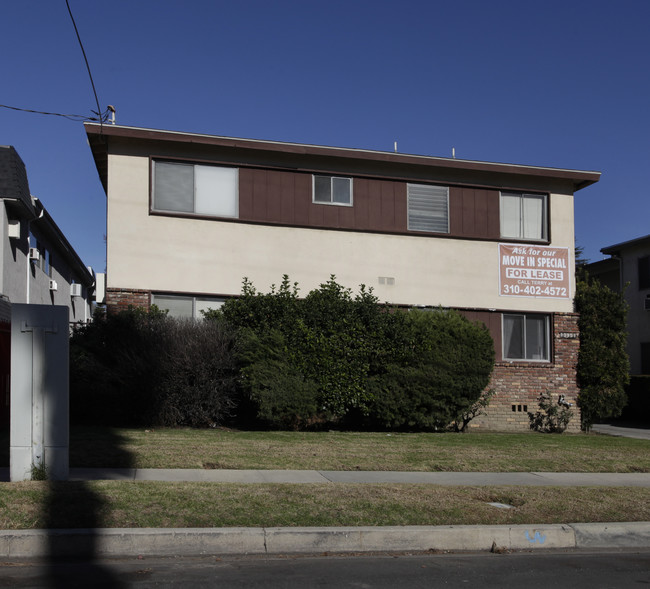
(331,202)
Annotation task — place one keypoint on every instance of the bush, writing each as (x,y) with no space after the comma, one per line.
(140,367)
(329,339)
(438,371)
(551,417)
(464,418)
(279,394)
(347,358)
(603,365)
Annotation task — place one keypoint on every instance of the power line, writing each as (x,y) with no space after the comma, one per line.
(101,117)
(99,110)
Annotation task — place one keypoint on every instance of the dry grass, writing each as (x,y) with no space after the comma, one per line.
(485,452)
(156,504)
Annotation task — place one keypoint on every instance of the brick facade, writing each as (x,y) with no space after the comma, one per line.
(120,299)
(519,384)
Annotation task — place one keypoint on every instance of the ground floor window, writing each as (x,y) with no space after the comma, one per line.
(526,336)
(185,306)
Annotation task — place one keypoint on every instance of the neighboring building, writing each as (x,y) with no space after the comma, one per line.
(189,216)
(37,264)
(628,268)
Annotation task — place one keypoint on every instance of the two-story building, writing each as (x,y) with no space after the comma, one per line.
(190,215)
(627,270)
(37,263)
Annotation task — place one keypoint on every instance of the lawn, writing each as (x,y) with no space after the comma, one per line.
(472,452)
(35,504)
(114,504)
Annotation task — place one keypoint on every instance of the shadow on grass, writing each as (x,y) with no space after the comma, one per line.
(73,512)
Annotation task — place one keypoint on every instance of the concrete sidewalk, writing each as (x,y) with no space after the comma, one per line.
(622,431)
(331,476)
(474,479)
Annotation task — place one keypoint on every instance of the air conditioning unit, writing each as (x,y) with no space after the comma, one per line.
(53,285)
(34,254)
(13,229)
(646,304)
(75,290)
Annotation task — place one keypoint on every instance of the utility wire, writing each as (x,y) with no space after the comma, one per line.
(99,110)
(101,118)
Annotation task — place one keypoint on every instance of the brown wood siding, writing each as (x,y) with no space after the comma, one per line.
(492,320)
(285,198)
(474,212)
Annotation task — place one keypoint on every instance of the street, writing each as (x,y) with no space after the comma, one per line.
(540,570)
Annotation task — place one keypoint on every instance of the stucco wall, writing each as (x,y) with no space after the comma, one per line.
(157,253)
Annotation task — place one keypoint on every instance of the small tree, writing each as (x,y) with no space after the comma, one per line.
(603,364)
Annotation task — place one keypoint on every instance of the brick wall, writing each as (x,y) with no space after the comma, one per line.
(120,299)
(519,384)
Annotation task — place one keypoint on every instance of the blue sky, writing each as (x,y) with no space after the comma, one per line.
(557,83)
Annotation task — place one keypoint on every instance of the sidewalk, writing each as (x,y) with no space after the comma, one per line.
(474,479)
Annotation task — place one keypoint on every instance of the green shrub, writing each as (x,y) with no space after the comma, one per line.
(440,369)
(140,367)
(464,418)
(330,338)
(279,394)
(198,384)
(603,364)
(360,363)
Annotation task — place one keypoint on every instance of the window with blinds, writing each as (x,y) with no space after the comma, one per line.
(523,216)
(428,208)
(190,188)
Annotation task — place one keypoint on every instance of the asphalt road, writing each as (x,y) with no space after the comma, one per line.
(575,570)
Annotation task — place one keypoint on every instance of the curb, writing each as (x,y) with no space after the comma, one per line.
(109,542)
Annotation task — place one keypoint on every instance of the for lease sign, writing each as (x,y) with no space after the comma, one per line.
(534,271)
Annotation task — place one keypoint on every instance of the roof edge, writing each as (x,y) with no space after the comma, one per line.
(580,178)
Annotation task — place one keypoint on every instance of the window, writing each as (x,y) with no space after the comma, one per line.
(644,272)
(428,208)
(645,357)
(189,188)
(185,307)
(523,216)
(332,190)
(525,337)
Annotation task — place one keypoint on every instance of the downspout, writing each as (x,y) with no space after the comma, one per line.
(29,222)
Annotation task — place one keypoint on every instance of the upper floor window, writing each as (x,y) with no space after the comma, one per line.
(525,337)
(428,208)
(332,190)
(193,188)
(524,216)
(643,265)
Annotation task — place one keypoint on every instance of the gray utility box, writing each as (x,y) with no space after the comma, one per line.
(39,427)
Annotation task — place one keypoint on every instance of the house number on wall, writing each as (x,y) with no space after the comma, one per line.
(567,335)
